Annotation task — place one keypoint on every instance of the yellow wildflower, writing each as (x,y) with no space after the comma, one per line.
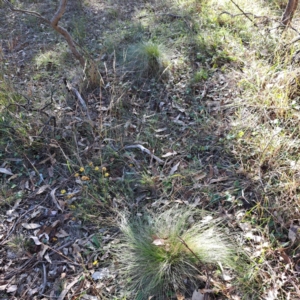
(81,169)
(240,134)
(96,168)
(85,178)
(90,164)
(63,192)
(106,174)
(104,169)
(76,174)
(95,262)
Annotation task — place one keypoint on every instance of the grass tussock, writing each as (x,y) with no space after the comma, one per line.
(148,59)
(160,252)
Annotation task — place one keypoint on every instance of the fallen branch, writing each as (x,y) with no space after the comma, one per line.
(143,149)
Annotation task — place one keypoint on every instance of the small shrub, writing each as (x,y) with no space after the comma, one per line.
(159,252)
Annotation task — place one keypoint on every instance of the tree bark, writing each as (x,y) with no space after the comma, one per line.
(289,12)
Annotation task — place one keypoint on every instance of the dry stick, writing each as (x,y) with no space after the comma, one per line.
(44,279)
(78,96)
(185,244)
(245,14)
(27,12)
(143,149)
(206,271)
(54,24)
(65,257)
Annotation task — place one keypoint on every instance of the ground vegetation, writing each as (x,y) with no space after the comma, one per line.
(177,123)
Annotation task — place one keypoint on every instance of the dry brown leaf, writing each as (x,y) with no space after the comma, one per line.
(293,233)
(179,122)
(36,240)
(51,157)
(159,242)
(218,179)
(253,237)
(5,171)
(174,169)
(67,288)
(170,153)
(31,225)
(12,288)
(179,296)
(285,257)
(61,234)
(272,294)
(197,296)
(42,189)
(52,194)
(41,253)
(50,171)
(3,287)
(101,274)
(12,177)
(48,259)
(161,129)
(200,176)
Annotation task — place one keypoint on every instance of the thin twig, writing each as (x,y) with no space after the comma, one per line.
(186,245)
(143,149)
(207,284)
(27,12)
(242,14)
(245,14)
(77,94)
(44,279)
(65,257)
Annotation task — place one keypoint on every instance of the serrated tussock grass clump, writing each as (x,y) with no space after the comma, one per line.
(147,59)
(159,253)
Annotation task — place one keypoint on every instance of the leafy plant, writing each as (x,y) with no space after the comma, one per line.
(158,252)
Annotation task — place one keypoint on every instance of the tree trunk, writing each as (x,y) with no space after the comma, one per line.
(289,12)
(54,23)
